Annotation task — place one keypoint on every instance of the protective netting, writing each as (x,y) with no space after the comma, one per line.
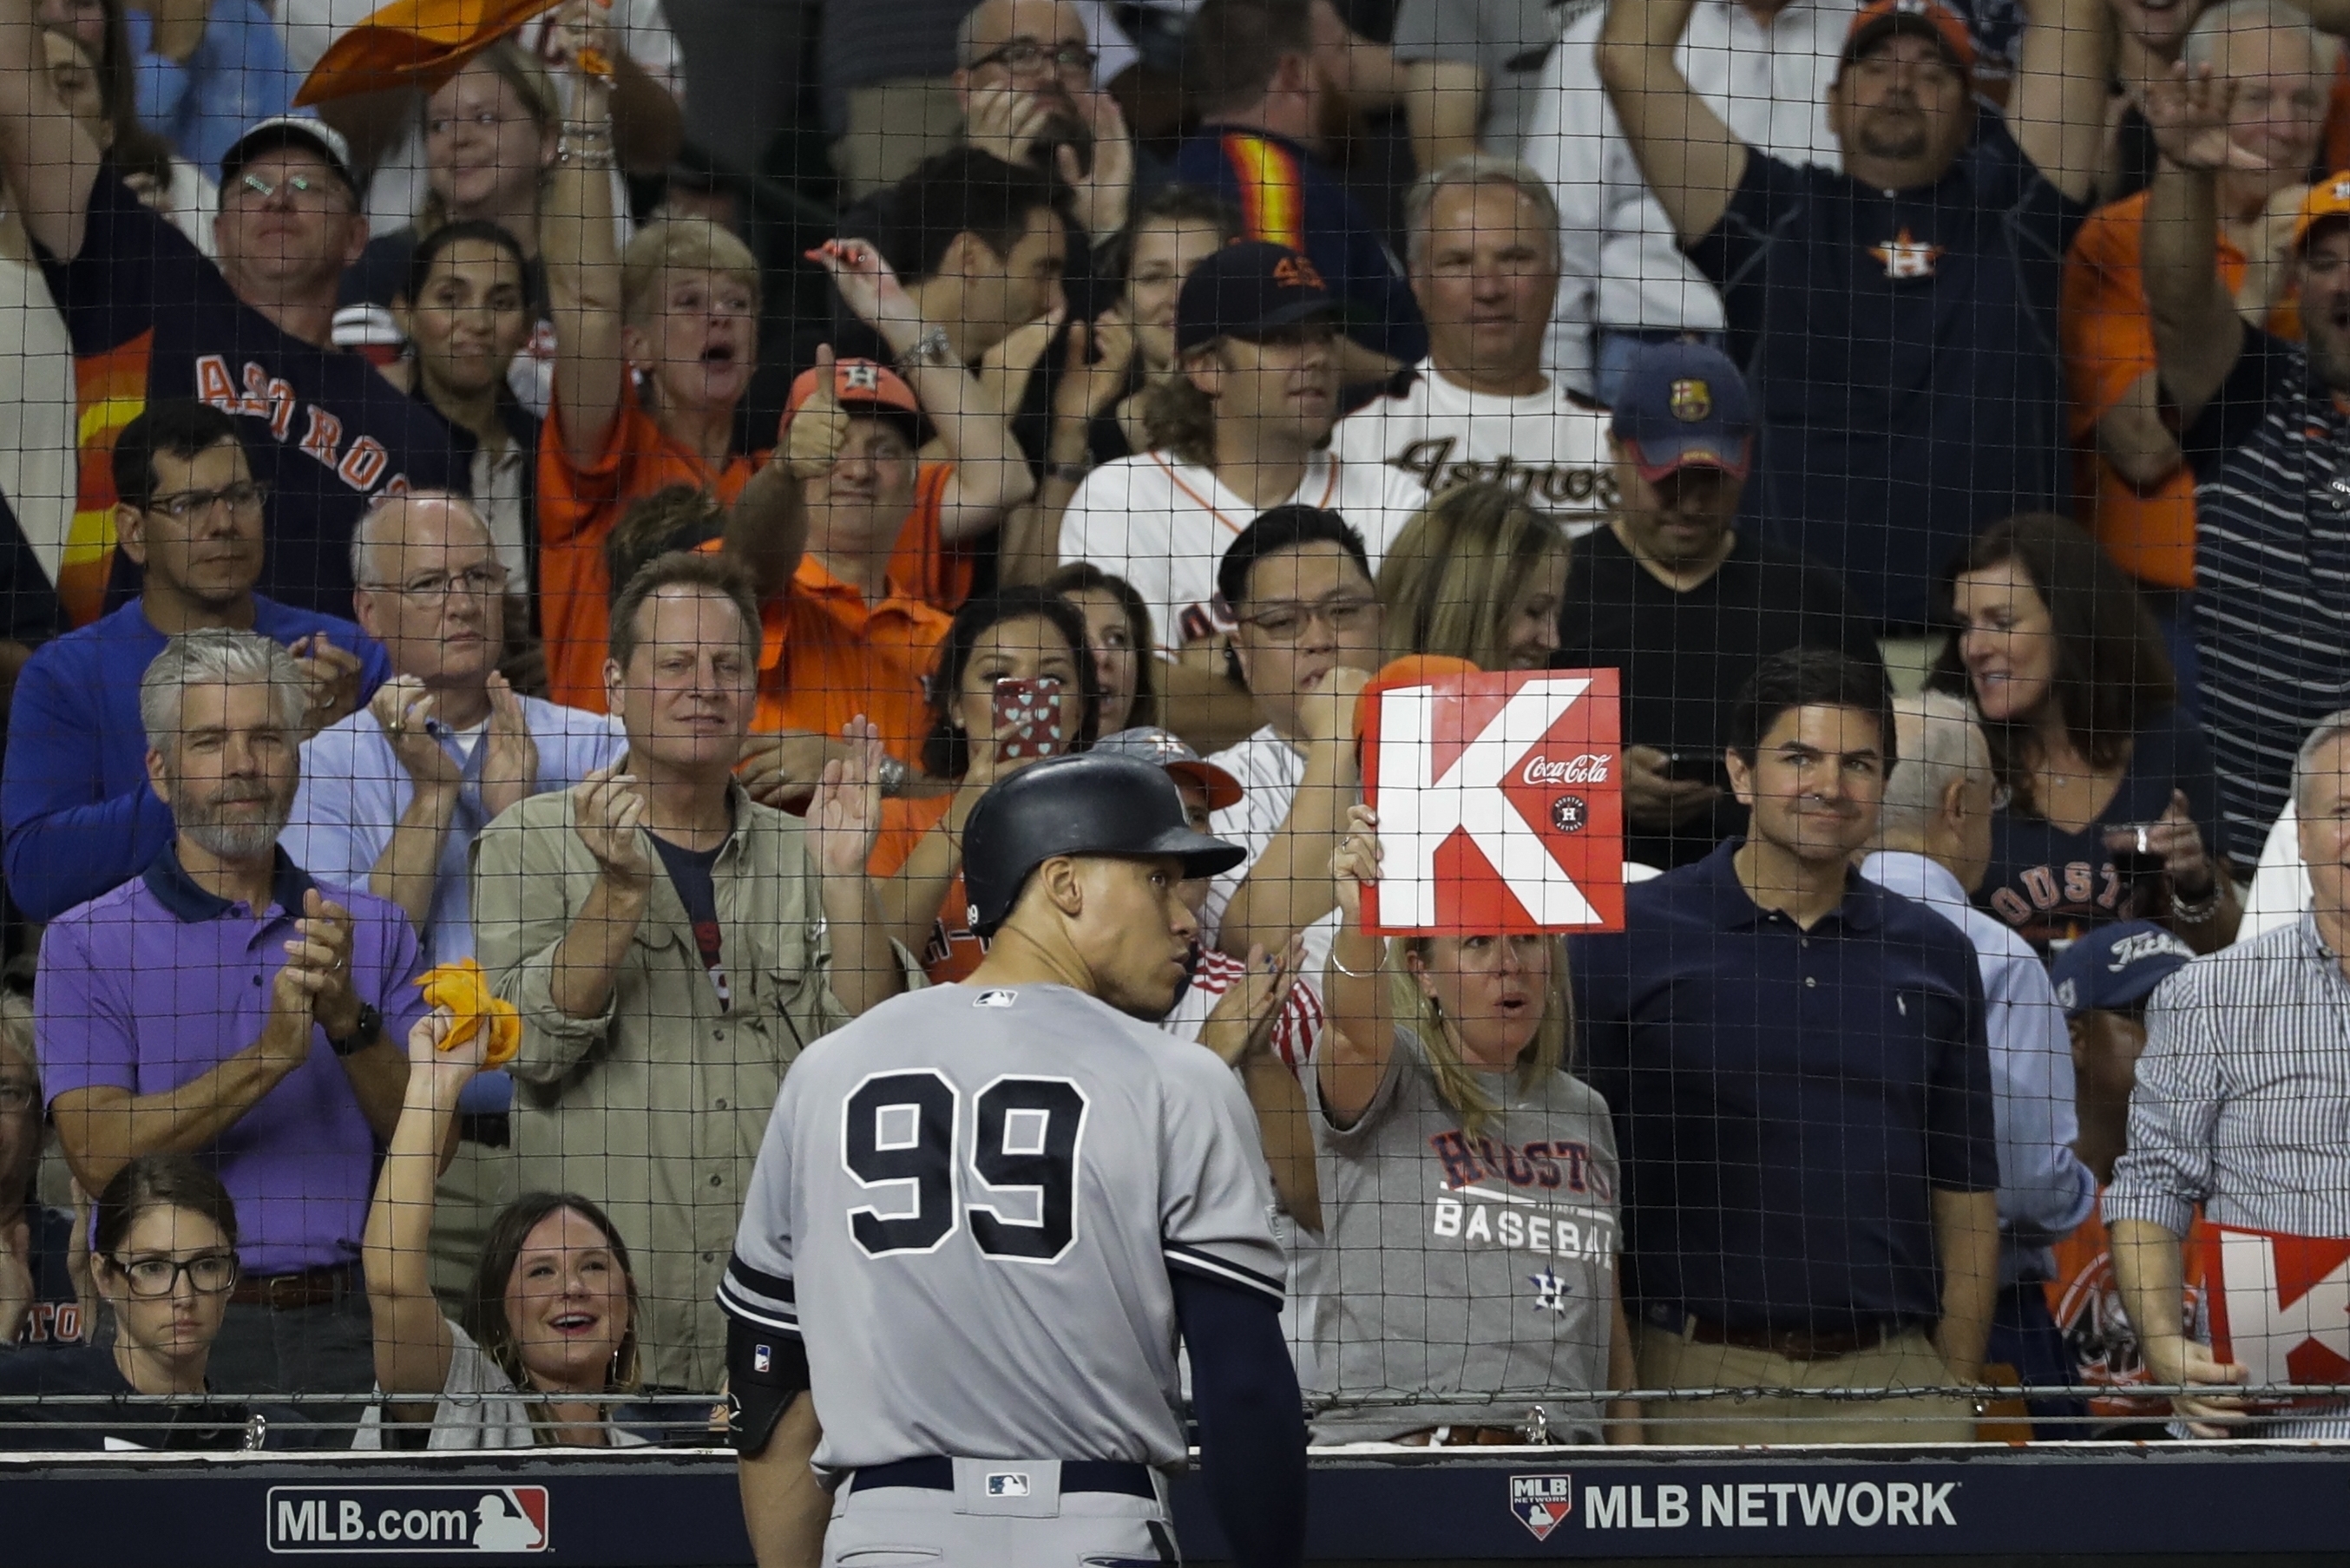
(1758,586)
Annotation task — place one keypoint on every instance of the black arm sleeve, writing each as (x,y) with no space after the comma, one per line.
(765,1371)
(1252,1418)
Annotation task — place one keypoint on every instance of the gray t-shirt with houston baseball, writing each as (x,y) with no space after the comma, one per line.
(967,1207)
(1464,1280)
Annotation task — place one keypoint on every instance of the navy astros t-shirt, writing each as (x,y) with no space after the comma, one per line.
(149,318)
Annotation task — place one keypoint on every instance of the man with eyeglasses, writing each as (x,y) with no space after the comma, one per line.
(77,817)
(393,797)
(1898,316)
(1305,641)
(151,319)
(1024,75)
(227,1003)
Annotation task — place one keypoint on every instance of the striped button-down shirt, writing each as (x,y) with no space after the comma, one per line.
(2242,1104)
(2272,458)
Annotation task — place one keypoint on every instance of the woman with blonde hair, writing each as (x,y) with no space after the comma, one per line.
(1477,573)
(1468,1183)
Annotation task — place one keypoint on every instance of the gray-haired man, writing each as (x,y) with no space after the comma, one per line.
(1483,251)
(2241,1096)
(225,1004)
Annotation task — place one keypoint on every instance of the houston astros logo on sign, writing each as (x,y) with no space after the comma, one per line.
(1501,804)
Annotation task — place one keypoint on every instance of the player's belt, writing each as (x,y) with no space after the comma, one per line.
(1077,1475)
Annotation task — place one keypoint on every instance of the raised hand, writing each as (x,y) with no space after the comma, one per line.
(1240,1025)
(322,944)
(868,285)
(2187,113)
(813,437)
(1090,383)
(1355,865)
(510,753)
(403,707)
(1102,191)
(1326,711)
(332,677)
(444,1072)
(1006,123)
(607,813)
(845,816)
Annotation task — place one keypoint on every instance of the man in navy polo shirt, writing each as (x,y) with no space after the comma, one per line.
(224,1004)
(151,319)
(1897,320)
(1797,1064)
(77,817)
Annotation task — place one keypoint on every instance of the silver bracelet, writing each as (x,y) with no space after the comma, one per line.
(2196,911)
(932,347)
(891,777)
(1370,973)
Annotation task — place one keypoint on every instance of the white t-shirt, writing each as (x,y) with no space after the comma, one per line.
(640,28)
(1164,525)
(1546,446)
(1269,770)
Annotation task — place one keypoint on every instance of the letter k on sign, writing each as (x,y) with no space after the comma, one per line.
(1501,804)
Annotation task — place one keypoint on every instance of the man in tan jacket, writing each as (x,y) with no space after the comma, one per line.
(672,946)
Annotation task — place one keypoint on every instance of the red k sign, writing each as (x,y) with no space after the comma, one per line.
(2280,1305)
(1501,804)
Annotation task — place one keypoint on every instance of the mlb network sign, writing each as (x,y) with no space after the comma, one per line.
(407,1519)
(1500,803)
(1544,1502)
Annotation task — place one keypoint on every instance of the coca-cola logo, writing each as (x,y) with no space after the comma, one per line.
(1590,768)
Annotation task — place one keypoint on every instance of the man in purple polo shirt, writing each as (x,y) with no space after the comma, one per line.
(222,1003)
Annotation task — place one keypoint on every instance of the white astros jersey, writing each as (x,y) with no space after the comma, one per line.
(967,1205)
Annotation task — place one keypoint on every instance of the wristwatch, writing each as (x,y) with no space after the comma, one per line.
(930,348)
(363,1034)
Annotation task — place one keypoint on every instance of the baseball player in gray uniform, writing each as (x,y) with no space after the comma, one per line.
(982,1212)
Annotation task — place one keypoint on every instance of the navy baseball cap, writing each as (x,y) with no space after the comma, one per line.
(1248,287)
(1684,405)
(2116,967)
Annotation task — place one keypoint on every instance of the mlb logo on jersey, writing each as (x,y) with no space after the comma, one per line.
(1007,1483)
(1542,1502)
(996,999)
(763,1358)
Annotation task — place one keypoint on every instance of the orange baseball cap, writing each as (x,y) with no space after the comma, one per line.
(2329,198)
(1411,669)
(865,386)
(1874,23)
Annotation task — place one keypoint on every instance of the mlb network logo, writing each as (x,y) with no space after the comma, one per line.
(407,1520)
(1542,1502)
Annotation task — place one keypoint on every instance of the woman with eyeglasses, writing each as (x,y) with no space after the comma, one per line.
(552,1309)
(163,1256)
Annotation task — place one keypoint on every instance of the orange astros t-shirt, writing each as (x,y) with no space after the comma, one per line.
(827,656)
(577,507)
(2108,338)
(932,570)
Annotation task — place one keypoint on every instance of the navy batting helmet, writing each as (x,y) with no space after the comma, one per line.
(1089,803)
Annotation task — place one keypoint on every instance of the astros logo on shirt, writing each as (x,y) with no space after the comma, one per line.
(1905,257)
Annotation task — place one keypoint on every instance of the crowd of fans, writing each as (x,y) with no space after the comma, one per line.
(424,577)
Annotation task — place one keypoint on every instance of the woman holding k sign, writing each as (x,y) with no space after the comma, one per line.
(1468,1192)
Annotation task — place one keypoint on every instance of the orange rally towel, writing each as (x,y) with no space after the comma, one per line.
(465,990)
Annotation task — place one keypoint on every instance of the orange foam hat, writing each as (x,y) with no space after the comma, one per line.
(465,990)
(1411,669)
(412,43)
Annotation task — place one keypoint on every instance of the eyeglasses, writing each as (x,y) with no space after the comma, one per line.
(16,1096)
(245,496)
(482,582)
(1024,57)
(487,120)
(1286,622)
(209,1273)
(301,190)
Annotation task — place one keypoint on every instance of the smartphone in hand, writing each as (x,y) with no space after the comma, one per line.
(1028,719)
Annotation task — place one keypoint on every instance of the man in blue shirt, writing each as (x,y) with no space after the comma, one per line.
(1896,320)
(76,815)
(1251,66)
(1796,1061)
(393,797)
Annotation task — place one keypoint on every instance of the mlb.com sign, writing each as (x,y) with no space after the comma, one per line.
(407,1519)
(1542,1502)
